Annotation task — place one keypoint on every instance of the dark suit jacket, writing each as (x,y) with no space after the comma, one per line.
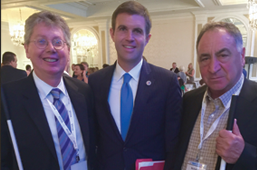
(176,70)
(155,122)
(246,115)
(8,74)
(31,128)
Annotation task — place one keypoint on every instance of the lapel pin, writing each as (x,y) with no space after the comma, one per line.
(148,83)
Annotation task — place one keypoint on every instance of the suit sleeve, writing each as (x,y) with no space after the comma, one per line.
(248,158)
(7,153)
(172,122)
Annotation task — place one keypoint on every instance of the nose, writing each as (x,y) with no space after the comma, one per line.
(214,65)
(130,36)
(50,47)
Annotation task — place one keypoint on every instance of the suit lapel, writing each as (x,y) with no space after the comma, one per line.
(33,105)
(105,89)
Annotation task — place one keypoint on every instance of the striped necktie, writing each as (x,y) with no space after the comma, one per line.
(67,149)
(126,105)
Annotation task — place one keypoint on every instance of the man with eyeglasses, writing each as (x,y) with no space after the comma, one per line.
(51,113)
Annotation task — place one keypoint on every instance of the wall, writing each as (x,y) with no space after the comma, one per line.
(171,41)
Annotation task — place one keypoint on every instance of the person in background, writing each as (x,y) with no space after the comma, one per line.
(190,73)
(79,72)
(105,65)
(85,64)
(182,74)
(28,69)
(73,68)
(9,71)
(51,114)
(174,68)
(137,104)
(204,139)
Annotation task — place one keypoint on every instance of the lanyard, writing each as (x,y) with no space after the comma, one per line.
(71,134)
(216,122)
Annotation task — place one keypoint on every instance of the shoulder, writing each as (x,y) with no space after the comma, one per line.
(195,93)
(159,71)
(75,83)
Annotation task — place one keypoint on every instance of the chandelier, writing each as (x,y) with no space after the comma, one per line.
(17,33)
(85,43)
(252,6)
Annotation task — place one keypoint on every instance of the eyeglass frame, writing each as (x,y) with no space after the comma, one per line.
(47,43)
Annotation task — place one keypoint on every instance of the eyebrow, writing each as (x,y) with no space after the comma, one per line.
(223,50)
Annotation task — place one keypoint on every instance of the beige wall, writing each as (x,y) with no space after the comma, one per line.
(172,41)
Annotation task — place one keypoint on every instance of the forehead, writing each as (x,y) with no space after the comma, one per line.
(41,29)
(129,20)
(216,39)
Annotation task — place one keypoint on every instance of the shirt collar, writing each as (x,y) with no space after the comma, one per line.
(44,88)
(225,98)
(134,72)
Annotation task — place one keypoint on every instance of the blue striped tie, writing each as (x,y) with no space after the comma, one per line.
(126,105)
(67,149)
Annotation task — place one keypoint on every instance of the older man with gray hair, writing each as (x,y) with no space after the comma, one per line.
(203,137)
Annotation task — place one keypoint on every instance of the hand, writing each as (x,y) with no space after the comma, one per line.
(84,73)
(230,145)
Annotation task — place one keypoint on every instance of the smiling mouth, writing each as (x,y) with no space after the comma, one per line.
(126,46)
(50,59)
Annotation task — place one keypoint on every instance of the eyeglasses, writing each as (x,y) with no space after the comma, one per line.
(42,43)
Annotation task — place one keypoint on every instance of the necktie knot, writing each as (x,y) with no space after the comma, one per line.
(56,93)
(126,77)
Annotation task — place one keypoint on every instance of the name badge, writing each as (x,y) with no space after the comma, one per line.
(191,165)
(79,166)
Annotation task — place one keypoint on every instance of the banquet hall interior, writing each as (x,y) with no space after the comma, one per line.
(175,27)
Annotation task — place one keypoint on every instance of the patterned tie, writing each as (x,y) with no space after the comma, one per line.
(126,105)
(67,149)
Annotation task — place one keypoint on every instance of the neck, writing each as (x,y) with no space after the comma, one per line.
(127,66)
(52,80)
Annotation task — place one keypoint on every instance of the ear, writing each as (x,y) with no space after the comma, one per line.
(26,47)
(243,56)
(112,33)
(148,38)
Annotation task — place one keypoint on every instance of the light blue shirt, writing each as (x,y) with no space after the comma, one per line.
(44,94)
(115,88)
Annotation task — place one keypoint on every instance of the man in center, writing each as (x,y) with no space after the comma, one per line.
(137,104)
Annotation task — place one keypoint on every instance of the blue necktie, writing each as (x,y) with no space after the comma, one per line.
(67,149)
(126,105)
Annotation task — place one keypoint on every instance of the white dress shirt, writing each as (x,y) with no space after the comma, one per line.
(115,88)
(44,94)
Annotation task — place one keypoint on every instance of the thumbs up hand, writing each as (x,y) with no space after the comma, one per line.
(230,145)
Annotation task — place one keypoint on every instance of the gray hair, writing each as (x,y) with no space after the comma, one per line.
(181,68)
(49,19)
(229,27)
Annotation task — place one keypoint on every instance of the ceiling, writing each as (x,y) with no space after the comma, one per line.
(82,10)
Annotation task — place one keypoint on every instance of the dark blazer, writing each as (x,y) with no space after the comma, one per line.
(9,73)
(176,70)
(31,128)
(246,115)
(153,131)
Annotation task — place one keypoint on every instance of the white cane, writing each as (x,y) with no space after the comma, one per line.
(230,124)
(10,127)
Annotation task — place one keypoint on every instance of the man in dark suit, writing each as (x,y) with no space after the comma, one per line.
(51,113)
(174,68)
(203,137)
(9,72)
(152,107)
